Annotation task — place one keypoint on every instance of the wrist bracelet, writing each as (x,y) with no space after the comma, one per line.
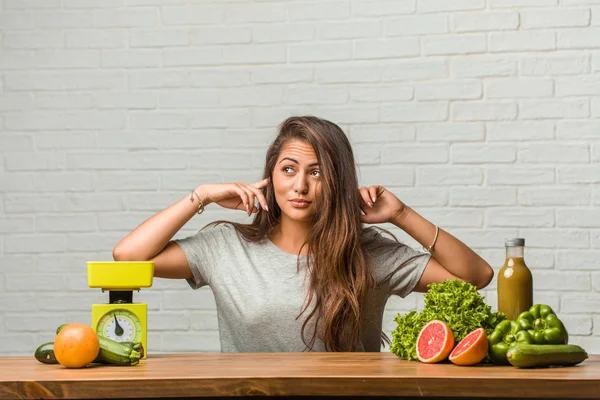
(200,205)
(430,248)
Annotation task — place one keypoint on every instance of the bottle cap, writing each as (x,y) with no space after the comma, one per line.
(511,242)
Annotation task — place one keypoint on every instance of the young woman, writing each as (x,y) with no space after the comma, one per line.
(305,274)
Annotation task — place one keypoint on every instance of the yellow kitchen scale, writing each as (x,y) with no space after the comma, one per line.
(121,319)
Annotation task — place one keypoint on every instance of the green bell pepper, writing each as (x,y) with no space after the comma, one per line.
(506,334)
(543,325)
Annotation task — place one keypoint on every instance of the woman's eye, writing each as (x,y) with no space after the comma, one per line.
(287,170)
(316,173)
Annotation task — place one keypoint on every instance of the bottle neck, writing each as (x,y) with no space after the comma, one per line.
(515,251)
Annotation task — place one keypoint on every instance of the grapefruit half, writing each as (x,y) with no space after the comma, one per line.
(471,350)
(435,342)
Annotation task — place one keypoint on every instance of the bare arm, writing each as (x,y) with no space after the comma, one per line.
(451,258)
(151,237)
(150,241)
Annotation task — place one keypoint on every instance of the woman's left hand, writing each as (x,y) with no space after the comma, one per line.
(379,205)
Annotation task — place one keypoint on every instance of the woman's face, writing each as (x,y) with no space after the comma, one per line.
(297,181)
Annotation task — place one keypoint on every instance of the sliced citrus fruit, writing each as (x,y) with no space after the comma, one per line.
(435,342)
(471,350)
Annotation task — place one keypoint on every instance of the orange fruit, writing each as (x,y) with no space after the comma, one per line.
(435,342)
(76,345)
(471,350)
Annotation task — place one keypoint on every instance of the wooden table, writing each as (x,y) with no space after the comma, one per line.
(293,374)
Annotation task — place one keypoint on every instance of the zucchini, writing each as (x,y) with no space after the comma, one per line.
(60,328)
(544,355)
(45,353)
(137,346)
(112,352)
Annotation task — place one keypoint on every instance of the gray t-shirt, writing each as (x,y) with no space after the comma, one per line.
(259,292)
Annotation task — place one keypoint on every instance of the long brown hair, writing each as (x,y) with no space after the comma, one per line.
(338,266)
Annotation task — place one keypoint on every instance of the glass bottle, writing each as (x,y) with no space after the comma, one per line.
(515,282)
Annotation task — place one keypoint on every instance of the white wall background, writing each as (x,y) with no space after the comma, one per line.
(483,115)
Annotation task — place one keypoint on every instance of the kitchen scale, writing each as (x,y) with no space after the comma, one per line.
(121,319)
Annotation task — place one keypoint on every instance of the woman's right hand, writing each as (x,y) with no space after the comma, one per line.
(237,195)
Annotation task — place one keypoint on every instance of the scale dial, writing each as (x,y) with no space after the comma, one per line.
(120,325)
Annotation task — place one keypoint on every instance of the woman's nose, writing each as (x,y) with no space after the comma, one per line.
(301,184)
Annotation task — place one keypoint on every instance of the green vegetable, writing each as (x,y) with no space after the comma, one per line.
(544,355)
(506,334)
(539,325)
(45,353)
(137,346)
(60,328)
(112,352)
(543,325)
(455,302)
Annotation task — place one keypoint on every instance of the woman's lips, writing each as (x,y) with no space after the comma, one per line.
(299,203)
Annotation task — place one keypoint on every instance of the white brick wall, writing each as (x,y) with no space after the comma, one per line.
(484,115)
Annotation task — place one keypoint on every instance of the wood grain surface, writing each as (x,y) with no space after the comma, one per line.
(293,374)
